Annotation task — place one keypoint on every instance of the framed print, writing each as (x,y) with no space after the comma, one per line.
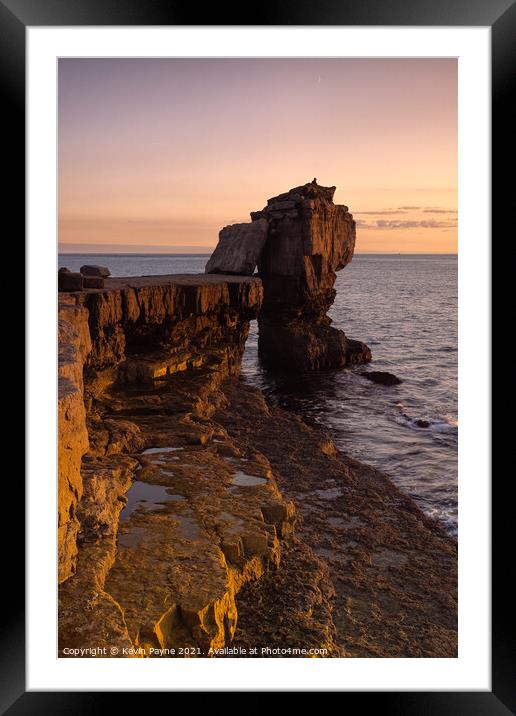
(258,448)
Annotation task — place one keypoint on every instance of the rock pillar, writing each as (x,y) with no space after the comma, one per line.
(309,239)
(299,240)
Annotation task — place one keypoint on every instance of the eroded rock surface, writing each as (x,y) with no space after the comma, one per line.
(74,346)
(393,571)
(174,321)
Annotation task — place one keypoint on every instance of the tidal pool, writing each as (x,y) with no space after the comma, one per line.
(150,497)
(241,479)
(156,450)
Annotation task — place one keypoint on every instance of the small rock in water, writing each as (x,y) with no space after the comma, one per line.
(422,423)
(90,270)
(381,377)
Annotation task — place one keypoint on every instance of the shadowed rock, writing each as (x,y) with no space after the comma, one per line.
(93,282)
(310,238)
(69,281)
(422,423)
(381,377)
(92,270)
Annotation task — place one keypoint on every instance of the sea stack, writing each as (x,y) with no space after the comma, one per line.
(308,239)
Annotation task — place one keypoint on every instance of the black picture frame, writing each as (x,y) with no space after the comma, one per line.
(500,16)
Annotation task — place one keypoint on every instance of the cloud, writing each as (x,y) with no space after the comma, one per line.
(401,223)
(382,212)
(424,224)
(439,211)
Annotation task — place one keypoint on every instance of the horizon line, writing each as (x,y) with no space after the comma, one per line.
(206,250)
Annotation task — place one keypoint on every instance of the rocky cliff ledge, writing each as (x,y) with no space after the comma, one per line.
(165,518)
(136,330)
(299,240)
(194,517)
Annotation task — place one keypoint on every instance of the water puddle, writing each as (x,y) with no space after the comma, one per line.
(330,494)
(241,479)
(156,450)
(150,497)
(132,538)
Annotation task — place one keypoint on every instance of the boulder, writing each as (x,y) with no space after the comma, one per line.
(91,270)
(239,248)
(68,281)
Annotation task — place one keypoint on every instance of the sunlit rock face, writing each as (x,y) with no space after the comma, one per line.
(74,347)
(134,331)
(310,238)
(163,519)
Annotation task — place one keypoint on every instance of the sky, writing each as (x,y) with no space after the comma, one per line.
(158,155)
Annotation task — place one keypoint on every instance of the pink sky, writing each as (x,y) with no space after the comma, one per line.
(160,154)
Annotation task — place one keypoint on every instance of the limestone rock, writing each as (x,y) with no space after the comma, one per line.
(150,327)
(69,281)
(93,270)
(310,238)
(239,248)
(299,240)
(72,433)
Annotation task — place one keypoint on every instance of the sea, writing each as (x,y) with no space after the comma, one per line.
(404,306)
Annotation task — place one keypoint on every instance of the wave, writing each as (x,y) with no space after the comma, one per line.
(447,519)
(437,423)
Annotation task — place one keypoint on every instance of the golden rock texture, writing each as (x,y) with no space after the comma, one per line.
(74,346)
(180,487)
(202,519)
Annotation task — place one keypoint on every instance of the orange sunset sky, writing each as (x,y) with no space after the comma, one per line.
(158,155)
